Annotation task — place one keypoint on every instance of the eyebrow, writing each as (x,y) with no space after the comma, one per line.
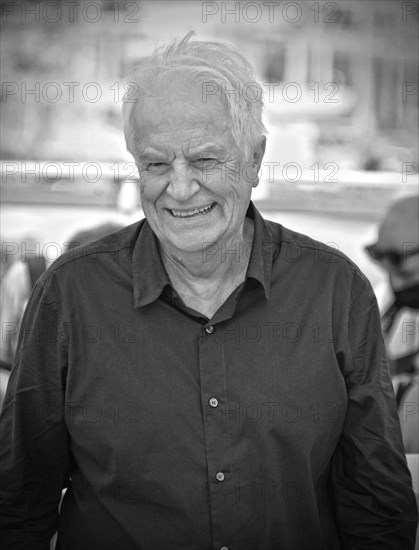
(210,149)
(151,154)
(205,150)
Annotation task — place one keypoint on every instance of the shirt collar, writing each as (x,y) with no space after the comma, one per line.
(150,276)
(260,262)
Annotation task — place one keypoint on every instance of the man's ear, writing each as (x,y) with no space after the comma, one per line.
(258,153)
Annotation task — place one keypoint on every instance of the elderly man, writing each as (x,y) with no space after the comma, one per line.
(202,379)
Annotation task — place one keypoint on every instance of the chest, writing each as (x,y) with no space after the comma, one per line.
(152,372)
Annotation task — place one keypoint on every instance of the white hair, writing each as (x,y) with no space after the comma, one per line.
(215,66)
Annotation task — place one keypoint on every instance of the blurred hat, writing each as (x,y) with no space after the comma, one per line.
(86,236)
(399,231)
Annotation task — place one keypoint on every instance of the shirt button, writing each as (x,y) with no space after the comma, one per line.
(220,476)
(213,402)
(224,548)
(209,330)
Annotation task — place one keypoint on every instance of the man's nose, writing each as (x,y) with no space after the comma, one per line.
(183,183)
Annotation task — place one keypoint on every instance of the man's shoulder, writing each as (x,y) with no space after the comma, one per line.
(313,258)
(112,247)
(283,237)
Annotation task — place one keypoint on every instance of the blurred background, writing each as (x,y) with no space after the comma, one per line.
(341,92)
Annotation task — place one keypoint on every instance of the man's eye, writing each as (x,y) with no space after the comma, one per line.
(158,167)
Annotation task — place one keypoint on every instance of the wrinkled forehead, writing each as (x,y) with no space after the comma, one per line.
(182,115)
(181,106)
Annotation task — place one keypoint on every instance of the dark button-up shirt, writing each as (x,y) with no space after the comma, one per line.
(270,426)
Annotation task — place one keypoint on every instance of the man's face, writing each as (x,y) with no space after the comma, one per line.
(397,244)
(405,274)
(194,185)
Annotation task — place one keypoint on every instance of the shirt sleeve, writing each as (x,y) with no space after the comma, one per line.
(34,451)
(374,499)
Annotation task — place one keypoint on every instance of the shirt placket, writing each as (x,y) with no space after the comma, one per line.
(219,491)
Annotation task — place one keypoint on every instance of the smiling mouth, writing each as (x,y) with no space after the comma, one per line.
(192,213)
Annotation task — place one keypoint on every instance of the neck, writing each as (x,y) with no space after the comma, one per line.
(214,264)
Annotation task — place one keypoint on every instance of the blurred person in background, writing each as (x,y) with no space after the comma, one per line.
(144,403)
(397,251)
(86,236)
(16,287)
(6,259)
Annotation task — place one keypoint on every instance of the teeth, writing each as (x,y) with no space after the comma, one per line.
(189,213)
